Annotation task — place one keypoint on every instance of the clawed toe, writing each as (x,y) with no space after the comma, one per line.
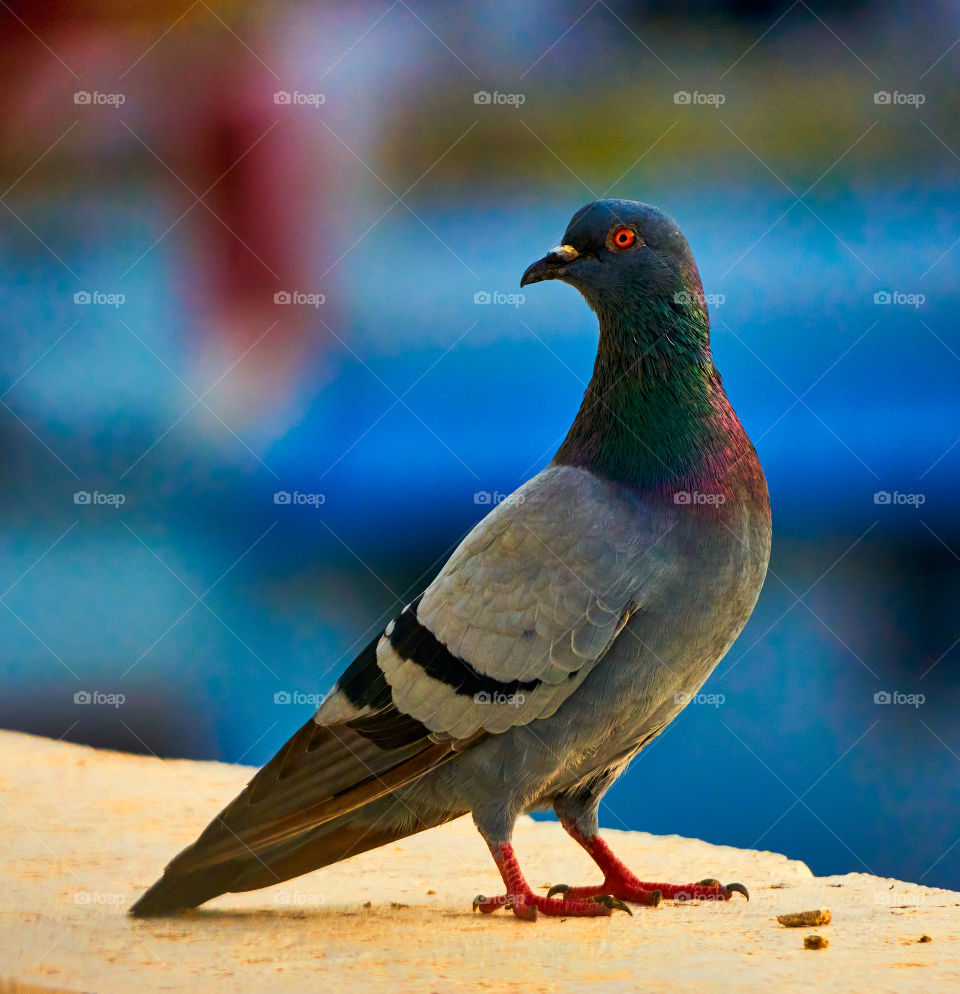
(527,906)
(610,889)
(525,912)
(728,889)
(611,902)
(650,894)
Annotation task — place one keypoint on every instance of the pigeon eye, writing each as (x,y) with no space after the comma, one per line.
(623,238)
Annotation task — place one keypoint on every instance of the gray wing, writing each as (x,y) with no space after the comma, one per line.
(524,609)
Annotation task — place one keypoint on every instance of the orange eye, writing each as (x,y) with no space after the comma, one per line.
(623,238)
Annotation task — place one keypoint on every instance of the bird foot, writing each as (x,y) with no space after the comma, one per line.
(527,906)
(626,887)
(619,881)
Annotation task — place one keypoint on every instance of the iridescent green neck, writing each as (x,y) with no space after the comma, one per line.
(654,415)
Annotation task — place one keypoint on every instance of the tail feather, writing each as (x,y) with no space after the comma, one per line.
(341,838)
(328,845)
(329,793)
(175,892)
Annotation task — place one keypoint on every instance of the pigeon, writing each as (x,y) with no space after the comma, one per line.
(565,632)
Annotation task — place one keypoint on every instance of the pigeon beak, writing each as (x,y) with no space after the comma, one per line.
(550,267)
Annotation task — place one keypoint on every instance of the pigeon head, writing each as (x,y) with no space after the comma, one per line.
(654,411)
(621,254)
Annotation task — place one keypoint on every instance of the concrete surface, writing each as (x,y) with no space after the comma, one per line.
(84,831)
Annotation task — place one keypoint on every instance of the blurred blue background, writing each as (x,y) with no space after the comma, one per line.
(819,196)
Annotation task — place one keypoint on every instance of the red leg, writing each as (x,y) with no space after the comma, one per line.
(525,904)
(620,882)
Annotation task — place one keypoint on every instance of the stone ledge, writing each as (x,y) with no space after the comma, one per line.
(83,832)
